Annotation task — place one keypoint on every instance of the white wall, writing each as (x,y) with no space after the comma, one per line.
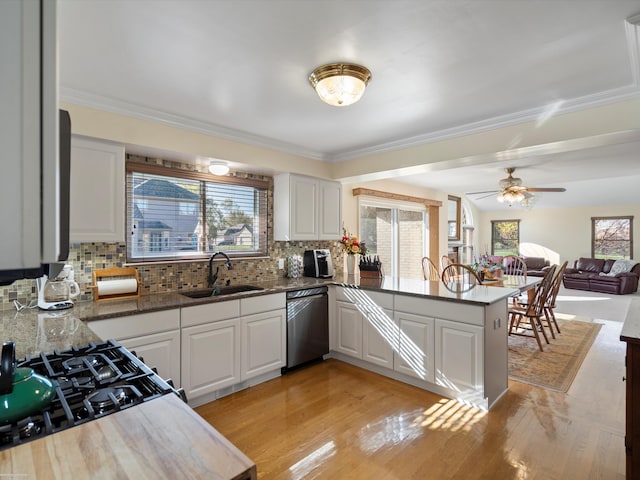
(350,215)
(558,234)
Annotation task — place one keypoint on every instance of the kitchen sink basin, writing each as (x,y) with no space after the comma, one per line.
(218,291)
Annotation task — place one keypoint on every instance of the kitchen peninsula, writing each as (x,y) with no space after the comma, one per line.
(418,332)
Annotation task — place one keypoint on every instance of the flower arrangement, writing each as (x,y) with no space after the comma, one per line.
(487,267)
(351,245)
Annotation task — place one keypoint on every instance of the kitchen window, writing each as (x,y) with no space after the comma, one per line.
(397,234)
(184,215)
(612,237)
(505,237)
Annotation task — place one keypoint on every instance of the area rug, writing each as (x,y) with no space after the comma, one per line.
(557,366)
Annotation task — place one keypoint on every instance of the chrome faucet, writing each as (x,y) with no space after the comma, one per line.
(213,277)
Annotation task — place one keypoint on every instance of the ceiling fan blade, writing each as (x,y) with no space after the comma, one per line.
(533,189)
(481,193)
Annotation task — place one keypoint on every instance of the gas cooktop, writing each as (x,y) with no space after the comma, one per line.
(91,382)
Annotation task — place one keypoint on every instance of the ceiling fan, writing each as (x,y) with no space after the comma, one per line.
(512,191)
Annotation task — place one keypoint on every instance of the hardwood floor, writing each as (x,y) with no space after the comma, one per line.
(335,421)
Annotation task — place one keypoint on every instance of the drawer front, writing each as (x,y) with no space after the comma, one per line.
(262,303)
(368,299)
(210,312)
(136,325)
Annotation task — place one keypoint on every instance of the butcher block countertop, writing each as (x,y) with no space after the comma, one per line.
(159,439)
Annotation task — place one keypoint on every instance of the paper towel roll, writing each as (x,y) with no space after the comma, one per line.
(115,287)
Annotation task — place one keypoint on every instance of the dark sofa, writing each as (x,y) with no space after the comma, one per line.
(536,266)
(585,275)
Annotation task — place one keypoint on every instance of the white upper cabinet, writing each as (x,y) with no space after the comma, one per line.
(97,191)
(306,208)
(29,182)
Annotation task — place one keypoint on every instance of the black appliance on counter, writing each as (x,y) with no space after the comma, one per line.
(91,382)
(317,264)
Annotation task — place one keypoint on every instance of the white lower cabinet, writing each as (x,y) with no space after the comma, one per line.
(264,345)
(348,334)
(459,356)
(160,351)
(379,337)
(154,336)
(210,357)
(210,347)
(415,354)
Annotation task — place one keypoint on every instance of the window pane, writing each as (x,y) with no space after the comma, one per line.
(232,220)
(169,217)
(376,231)
(612,237)
(505,237)
(164,216)
(411,233)
(396,236)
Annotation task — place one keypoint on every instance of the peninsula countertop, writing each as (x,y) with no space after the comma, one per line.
(35,331)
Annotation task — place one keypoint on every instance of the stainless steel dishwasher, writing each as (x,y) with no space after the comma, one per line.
(307,325)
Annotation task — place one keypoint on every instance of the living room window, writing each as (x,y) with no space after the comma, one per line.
(612,237)
(505,237)
(177,214)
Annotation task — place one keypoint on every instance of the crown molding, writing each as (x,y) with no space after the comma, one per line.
(99,102)
(568,106)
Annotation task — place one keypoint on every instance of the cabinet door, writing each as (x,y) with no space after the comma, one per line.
(348,335)
(304,208)
(379,337)
(210,357)
(160,350)
(97,191)
(263,343)
(459,353)
(416,346)
(330,214)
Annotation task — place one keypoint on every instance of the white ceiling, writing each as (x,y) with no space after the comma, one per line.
(239,69)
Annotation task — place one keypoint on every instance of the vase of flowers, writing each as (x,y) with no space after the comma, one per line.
(352,247)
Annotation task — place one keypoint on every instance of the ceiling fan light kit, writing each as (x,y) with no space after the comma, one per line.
(340,84)
(512,191)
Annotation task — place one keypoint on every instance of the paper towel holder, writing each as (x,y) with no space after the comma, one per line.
(114,274)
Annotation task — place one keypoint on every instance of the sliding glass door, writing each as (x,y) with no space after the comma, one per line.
(397,234)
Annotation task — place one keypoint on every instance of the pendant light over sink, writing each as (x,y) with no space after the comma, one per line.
(340,84)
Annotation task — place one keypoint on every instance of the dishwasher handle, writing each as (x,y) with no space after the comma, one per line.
(307,297)
(307,292)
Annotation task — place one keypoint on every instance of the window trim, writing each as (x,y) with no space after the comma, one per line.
(614,217)
(145,168)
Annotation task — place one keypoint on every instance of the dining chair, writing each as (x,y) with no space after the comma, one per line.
(550,304)
(533,312)
(514,270)
(445,261)
(458,277)
(514,265)
(429,270)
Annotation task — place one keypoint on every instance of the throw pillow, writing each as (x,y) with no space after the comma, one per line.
(620,266)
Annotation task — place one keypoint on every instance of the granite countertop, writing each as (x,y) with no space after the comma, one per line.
(35,331)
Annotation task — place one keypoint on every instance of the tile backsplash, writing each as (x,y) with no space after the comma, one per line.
(166,276)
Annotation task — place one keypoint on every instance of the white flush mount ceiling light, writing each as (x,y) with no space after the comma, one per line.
(218,167)
(340,84)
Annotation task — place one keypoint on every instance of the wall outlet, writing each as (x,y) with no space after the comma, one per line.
(281,263)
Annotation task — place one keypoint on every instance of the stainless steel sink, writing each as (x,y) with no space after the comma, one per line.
(216,292)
